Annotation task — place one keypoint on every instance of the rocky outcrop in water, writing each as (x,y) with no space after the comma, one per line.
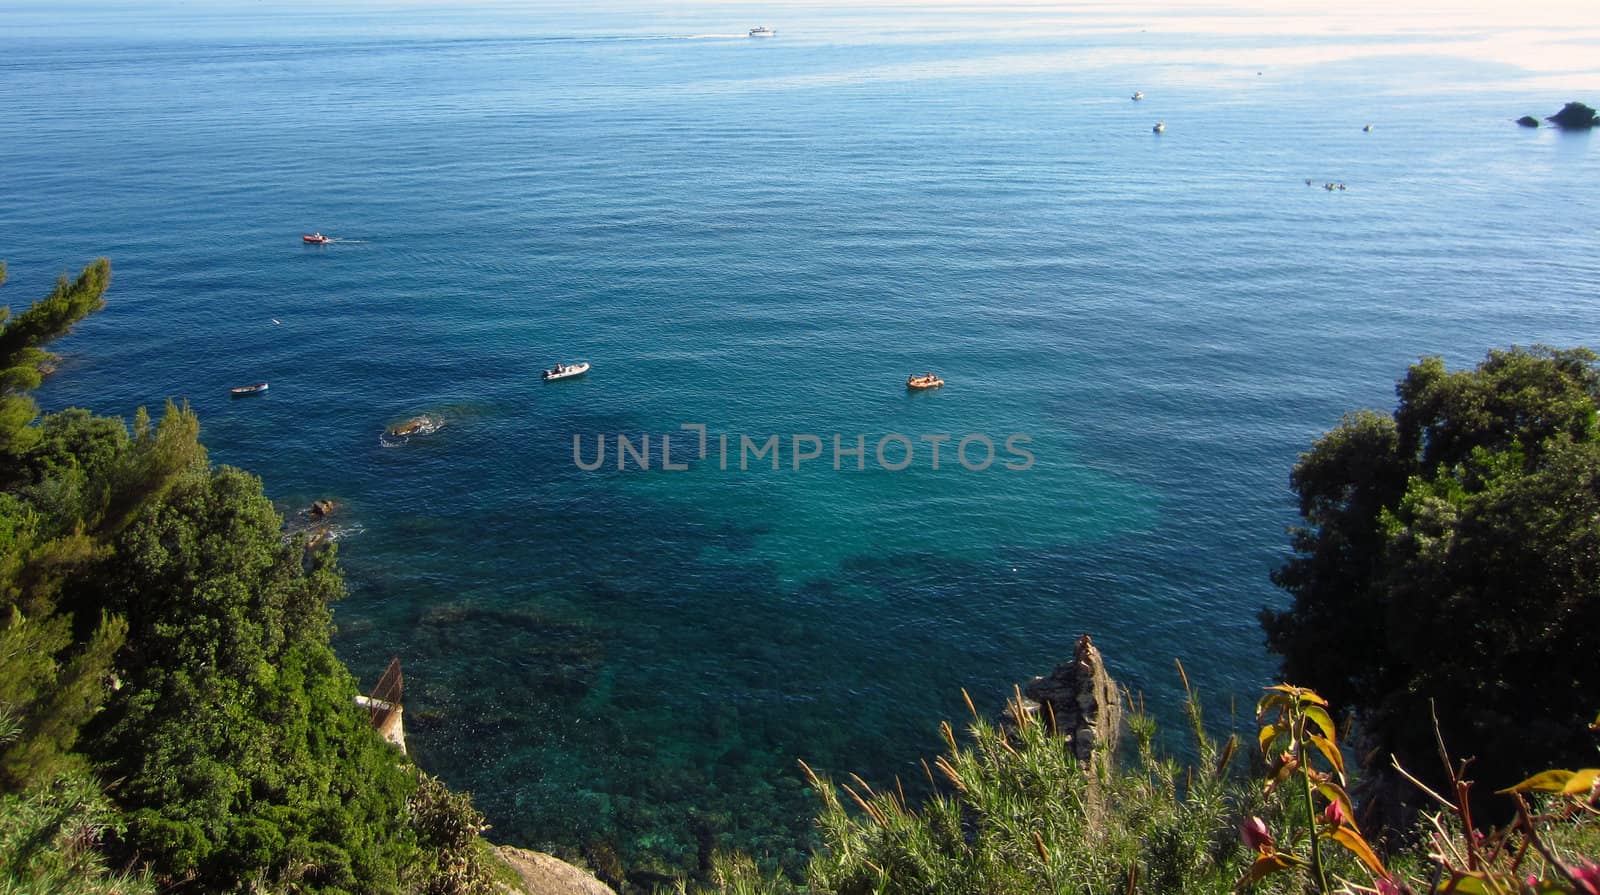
(1528,121)
(1574,116)
(542,874)
(1079,701)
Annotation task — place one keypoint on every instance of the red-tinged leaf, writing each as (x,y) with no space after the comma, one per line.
(1329,751)
(1254,834)
(1581,782)
(1336,794)
(1310,697)
(1283,688)
(1352,840)
(1549,781)
(1320,717)
(1265,866)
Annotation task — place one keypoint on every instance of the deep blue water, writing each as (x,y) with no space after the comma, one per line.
(765,237)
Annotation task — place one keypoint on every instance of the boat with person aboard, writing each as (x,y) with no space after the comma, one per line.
(763,31)
(566,371)
(316,238)
(926,380)
(243,390)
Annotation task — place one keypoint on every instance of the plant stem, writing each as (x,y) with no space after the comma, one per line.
(1316,839)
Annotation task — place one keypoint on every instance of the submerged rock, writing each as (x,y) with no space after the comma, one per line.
(417,425)
(1079,701)
(1574,116)
(1528,121)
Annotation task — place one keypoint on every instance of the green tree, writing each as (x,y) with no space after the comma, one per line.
(1451,559)
(242,755)
(53,671)
(23,363)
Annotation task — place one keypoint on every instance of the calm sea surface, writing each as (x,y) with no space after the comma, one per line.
(764,237)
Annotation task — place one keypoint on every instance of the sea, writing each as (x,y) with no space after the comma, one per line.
(753,239)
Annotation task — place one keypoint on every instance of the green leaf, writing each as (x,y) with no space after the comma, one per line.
(1471,885)
(1268,733)
(1549,781)
(1272,701)
(1329,751)
(1320,717)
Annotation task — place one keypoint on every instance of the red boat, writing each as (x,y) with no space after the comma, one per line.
(316,239)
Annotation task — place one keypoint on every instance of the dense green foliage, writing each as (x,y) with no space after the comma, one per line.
(1451,555)
(158,630)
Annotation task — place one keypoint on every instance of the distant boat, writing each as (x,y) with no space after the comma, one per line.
(566,371)
(1367,129)
(316,239)
(1138,95)
(1160,127)
(926,380)
(243,390)
(763,31)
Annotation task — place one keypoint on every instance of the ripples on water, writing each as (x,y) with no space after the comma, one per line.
(765,238)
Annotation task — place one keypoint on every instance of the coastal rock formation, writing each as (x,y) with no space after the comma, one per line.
(1528,121)
(426,424)
(542,874)
(1574,116)
(1080,700)
(320,509)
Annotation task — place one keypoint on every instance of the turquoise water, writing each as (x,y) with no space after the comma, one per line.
(765,237)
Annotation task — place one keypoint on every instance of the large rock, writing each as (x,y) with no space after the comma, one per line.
(1574,116)
(1528,121)
(542,874)
(1080,702)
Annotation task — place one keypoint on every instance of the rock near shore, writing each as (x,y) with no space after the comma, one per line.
(1080,701)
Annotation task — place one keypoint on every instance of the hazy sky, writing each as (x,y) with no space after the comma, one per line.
(1554,38)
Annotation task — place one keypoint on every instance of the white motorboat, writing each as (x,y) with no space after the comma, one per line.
(566,371)
(763,31)
(1160,126)
(1138,95)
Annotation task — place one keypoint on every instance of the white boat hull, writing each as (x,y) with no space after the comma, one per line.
(566,372)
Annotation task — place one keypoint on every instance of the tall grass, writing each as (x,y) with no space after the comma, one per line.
(1014,812)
